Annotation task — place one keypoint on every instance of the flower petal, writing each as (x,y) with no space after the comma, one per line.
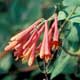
(26,31)
(10,46)
(47,48)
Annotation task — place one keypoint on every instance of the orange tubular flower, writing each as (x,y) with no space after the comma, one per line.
(30,40)
(45,49)
(24,43)
(32,56)
(20,39)
(42,50)
(27,54)
(56,33)
(25,32)
(10,46)
(50,33)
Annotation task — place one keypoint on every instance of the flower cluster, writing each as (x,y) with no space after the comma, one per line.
(26,44)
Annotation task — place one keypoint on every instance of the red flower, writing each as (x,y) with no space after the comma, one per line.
(17,42)
(54,28)
(26,46)
(45,49)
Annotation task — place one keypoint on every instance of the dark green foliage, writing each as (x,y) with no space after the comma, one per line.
(20,14)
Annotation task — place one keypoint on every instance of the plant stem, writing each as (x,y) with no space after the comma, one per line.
(46,76)
(70,53)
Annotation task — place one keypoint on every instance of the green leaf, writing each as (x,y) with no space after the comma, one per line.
(57,1)
(60,64)
(24,11)
(68,9)
(71,2)
(76,16)
(61,15)
(67,77)
(74,33)
(4,36)
(65,63)
(9,77)
(5,63)
(71,66)
(36,72)
(75,19)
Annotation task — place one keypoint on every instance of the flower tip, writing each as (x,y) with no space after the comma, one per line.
(10,46)
(13,38)
(41,56)
(31,61)
(47,58)
(55,45)
(7,48)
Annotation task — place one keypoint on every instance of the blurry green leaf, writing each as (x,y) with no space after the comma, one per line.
(67,77)
(5,63)
(71,66)
(4,23)
(4,36)
(65,63)
(77,11)
(9,77)
(72,63)
(57,1)
(74,34)
(51,66)
(76,16)
(78,75)
(36,72)
(75,19)
(21,10)
(68,9)
(34,10)
(71,2)
(3,19)
(61,15)
(47,12)
(15,10)
(60,65)
(41,65)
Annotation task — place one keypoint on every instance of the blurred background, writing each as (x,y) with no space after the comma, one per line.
(16,15)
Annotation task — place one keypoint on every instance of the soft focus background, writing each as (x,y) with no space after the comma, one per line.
(16,15)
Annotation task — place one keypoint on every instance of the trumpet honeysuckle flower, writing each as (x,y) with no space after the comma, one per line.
(27,54)
(45,49)
(32,56)
(11,46)
(23,35)
(27,46)
(51,31)
(56,33)
(30,40)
